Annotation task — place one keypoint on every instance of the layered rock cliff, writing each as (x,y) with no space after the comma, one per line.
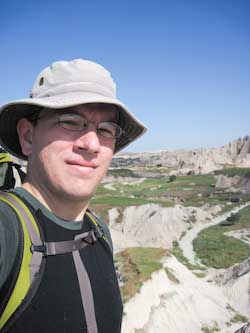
(235,153)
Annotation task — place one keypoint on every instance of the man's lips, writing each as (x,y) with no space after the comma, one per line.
(81,163)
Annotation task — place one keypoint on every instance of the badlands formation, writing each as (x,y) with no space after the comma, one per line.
(235,153)
(193,304)
(164,306)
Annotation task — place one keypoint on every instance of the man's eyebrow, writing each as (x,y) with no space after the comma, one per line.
(112,118)
(70,112)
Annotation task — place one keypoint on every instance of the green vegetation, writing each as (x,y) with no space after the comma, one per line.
(210,328)
(191,190)
(119,201)
(171,275)
(155,190)
(200,274)
(123,195)
(172,178)
(220,251)
(212,246)
(239,318)
(121,173)
(154,169)
(178,253)
(136,266)
(231,219)
(231,172)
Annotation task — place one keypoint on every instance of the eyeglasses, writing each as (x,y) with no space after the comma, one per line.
(75,122)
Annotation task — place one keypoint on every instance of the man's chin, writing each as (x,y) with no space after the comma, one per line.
(80,196)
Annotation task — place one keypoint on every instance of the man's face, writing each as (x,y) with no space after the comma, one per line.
(70,164)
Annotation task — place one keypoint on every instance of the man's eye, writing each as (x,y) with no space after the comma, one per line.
(106,130)
(71,122)
(68,121)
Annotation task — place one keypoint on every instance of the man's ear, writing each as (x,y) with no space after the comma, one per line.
(25,134)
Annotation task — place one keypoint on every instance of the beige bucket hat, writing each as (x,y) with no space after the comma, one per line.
(66,84)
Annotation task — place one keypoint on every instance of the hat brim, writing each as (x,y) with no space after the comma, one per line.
(12,112)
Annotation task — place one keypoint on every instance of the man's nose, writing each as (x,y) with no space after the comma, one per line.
(88,141)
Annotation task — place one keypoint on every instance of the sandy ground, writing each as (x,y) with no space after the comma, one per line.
(164,306)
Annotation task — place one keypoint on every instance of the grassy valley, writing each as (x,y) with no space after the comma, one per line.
(139,186)
(165,190)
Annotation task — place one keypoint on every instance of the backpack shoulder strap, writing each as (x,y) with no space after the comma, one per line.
(102,228)
(5,157)
(31,263)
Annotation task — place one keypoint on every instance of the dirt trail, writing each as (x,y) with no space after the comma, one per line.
(186,243)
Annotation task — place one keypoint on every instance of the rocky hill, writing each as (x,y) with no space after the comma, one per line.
(235,153)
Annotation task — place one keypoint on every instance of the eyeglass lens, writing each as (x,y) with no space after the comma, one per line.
(76,122)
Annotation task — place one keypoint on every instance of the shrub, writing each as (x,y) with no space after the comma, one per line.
(231,219)
(210,329)
(239,318)
(172,178)
(235,199)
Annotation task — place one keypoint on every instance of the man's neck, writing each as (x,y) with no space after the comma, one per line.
(63,208)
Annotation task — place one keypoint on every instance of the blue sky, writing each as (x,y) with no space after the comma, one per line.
(182,66)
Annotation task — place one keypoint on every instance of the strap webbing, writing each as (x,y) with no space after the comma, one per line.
(54,248)
(86,292)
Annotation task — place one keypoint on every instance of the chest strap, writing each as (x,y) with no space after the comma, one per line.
(54,248)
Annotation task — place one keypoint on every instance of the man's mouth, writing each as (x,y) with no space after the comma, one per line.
(82,163)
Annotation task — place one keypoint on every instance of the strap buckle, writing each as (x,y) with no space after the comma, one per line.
(91,238)
(38,248)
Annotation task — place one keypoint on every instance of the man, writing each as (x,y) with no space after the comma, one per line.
(67,131)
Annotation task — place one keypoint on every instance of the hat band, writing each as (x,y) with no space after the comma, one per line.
(83,87)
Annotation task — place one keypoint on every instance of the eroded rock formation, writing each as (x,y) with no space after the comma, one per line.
(235,153)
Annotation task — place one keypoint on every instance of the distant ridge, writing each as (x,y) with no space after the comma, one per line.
(203,160)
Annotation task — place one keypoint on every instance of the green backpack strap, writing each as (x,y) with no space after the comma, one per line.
(31,262)
(102,228)
(5,157)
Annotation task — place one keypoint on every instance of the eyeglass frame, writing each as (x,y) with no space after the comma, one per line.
(34,117)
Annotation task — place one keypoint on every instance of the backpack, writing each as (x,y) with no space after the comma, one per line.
(31,264)
(7,179)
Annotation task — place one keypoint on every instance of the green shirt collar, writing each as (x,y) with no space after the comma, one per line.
(36,204)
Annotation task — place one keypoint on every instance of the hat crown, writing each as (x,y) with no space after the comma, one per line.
(73,76)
